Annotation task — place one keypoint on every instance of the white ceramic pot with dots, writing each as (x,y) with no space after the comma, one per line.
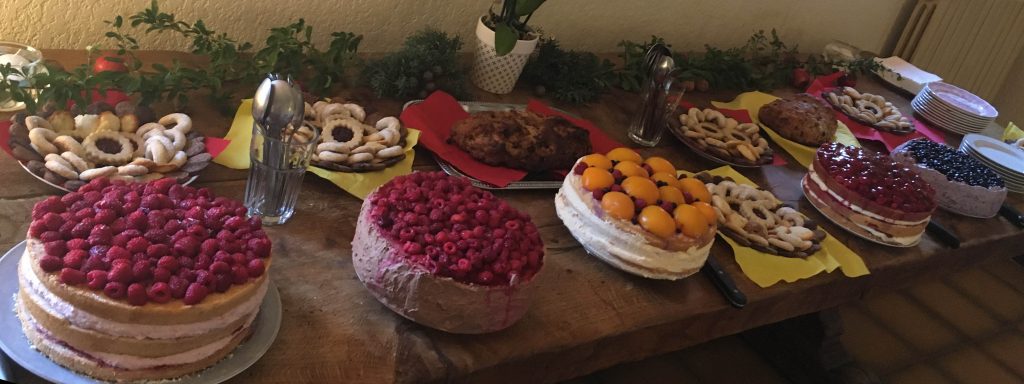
(498,74)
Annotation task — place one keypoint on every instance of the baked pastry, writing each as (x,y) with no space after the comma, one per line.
(870,194)
(724,137)
(962,183)
(801,118)
(755,218)
(140,281)
(70,151)
(445,254)
(521,139)
(636,215)
(869,109)
(346,143)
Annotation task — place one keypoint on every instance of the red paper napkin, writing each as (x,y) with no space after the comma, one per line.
(214,145)
(863,131)
(742,116)
(435,116)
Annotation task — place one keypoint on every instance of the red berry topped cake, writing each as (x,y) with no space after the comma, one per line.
(636,215)
(445,254)
(870,194)
(140,281)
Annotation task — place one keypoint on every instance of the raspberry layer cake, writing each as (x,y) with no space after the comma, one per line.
(636,215)
(141,281)
(445,254)
(962,183)
(870,194)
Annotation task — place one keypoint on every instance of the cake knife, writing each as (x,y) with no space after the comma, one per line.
(943,234)
(1013,215)
(5,369)
(724,282)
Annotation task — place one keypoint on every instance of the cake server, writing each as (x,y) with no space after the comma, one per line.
(944,235)
(714,271)
(1013,215)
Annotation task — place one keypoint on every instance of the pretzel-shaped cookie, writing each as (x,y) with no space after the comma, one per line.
(181,121)
(714,132)
(41,140)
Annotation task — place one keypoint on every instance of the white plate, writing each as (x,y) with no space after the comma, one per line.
(15,345)
(945,122)
(961,99)
(997,151)
(924,102)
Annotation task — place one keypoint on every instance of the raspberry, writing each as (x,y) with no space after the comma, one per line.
(96,280)
(137,244)
(120,239)
(141,271)
(255,268)
(56,248)
(121,273)
(136,220)
(161,274)
(178,287)
(578,170)
(52,204)
(49,236)
(51,263)
(71,276)
(209,247)
(222,283)
(259,246)
(172,226)
(194,294)
(155,251)
(239,274)
(187,246)
(234,223)
(169,263)
(95,262)
(119,225)
(115,290)
(185,263)
(117,252)
(137,294)
(52,221)
(220,268)
(156,235)
(102,232)
(77,244)
(159,292)
(105,216)
(36,229)
(71,198)
(152,202)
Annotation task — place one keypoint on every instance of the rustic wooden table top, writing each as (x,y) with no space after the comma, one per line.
(584,315)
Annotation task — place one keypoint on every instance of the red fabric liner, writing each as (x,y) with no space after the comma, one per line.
(866,132)
(435,116)
(214,145)
(742,116)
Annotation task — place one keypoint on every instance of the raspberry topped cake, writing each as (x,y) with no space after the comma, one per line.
(870,194)
(636,215)
(445,254)
(962,183)
(126,282)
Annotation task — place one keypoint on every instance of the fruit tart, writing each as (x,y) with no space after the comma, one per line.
(636,215)
(962,183)
(870,194)
(755,218)
(154,281)
(869,109)
(724,138)
(445,254)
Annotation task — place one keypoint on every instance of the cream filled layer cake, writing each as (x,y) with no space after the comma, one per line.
(636,215)
(140,282)
(870,194)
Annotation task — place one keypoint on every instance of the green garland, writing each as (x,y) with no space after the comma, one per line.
(570,76)
(427,62)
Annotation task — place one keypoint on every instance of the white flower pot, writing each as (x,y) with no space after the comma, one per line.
(498,74)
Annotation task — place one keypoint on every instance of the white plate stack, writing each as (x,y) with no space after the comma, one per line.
(953,109)
(1005,159)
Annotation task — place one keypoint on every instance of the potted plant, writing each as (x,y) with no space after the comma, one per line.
(504,43)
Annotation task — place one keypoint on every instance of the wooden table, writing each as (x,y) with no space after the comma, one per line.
(585,315)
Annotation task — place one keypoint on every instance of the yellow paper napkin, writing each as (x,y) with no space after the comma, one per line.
(765,269)
(752,103)
(1012,133)
(236,156)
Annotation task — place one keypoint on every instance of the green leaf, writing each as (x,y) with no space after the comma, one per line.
(504,39)
(526,7)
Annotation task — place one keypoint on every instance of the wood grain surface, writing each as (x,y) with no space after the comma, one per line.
(585,315)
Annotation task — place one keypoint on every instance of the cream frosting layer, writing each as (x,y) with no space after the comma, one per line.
(135,362)
(62,309)
(900,240)
(824,187)
(628,251)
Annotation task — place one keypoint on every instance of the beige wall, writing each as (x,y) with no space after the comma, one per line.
(585,24)
(1010,101)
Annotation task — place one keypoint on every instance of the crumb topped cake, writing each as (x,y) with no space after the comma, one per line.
(126,282)
(445,254)
(636,215)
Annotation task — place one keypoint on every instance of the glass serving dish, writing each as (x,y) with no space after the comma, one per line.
(24,58)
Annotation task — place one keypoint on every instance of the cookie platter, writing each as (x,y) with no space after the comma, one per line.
(125,142)
(721,139)
(347,143)
(869,109)
(475,107)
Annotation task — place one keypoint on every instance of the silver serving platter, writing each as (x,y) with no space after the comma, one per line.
(16,346)
(186,181)
(479,106)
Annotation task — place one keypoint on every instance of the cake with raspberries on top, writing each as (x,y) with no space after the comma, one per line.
(126,282)
(445,254)
(870,194)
